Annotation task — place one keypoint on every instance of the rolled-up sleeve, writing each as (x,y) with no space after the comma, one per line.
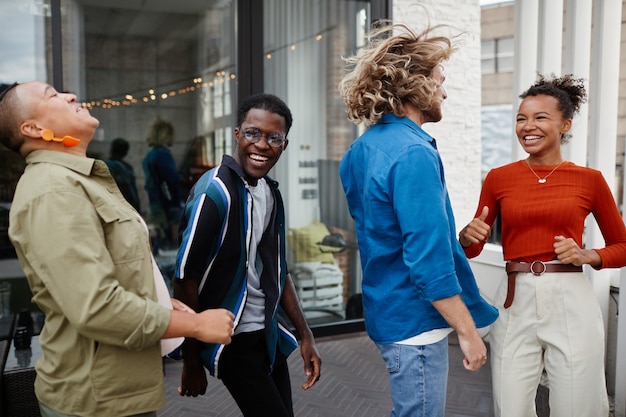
(419,199)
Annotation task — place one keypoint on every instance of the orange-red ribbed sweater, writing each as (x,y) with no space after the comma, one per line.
(533,213)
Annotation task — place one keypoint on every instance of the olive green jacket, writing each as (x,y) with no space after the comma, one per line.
(86,255)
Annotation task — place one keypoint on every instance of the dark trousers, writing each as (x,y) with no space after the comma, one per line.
(244,369)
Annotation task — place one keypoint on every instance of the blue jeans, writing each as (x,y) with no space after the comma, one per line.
(418,377)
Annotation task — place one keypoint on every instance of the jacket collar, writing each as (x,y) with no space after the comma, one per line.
(80,164)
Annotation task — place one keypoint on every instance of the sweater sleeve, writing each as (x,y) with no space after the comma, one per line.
(488,199)
(419,205)
(611,225)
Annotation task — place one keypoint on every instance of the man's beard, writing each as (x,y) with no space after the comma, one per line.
(433,113)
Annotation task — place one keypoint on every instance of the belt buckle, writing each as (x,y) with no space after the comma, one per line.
(532,268)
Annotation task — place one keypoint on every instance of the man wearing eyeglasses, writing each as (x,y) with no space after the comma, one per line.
(232,255)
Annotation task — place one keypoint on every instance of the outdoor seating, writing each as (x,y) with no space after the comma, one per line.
(17,391)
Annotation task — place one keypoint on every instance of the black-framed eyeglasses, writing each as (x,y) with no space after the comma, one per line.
(274,139)
(4,90)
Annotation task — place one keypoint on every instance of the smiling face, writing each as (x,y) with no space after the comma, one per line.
(540,125)
(257,159)
(45,108)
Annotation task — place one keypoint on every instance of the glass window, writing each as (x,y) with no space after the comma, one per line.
(22,42)
(487,54)
(303,45)
(496,132)
(497,55)
(133,63)
(505,49)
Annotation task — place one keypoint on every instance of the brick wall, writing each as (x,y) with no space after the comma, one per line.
(458,133)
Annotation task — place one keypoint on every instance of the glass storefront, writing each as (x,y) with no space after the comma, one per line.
(188,63)
(303,45)
(22,40)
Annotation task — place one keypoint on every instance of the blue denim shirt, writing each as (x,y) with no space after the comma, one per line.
(394,182)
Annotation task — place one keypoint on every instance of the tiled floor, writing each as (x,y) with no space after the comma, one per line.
(353,383)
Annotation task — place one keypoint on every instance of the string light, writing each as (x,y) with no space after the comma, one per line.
(293,45)
(128,99)
(196,83)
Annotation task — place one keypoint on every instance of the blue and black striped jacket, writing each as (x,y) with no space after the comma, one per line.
(216,225)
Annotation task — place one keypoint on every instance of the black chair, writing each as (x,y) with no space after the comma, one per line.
(4,352)
(18,389)
(17,386)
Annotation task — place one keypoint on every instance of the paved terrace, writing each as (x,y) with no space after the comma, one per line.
(354,383)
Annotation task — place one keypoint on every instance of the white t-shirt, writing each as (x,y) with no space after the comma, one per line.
(253,317)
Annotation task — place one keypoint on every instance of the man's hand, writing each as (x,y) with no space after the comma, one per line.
(474,350)
(215,326)
(193,381)
(476,231)
(312,362)
(458,316)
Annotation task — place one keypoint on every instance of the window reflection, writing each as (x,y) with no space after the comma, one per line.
(146,61)
(303,66)
(22,40)
(161,60)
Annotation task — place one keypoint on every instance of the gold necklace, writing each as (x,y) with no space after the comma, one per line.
(539,179)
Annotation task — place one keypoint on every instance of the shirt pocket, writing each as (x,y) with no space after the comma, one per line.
(125,236)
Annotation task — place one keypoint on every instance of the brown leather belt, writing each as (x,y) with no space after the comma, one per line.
(536,268)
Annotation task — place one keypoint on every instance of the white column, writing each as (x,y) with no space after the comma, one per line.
(525,59)
(620,348)
(603,123)
(551,37)
(620,356)
(604,92)
(577,62)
